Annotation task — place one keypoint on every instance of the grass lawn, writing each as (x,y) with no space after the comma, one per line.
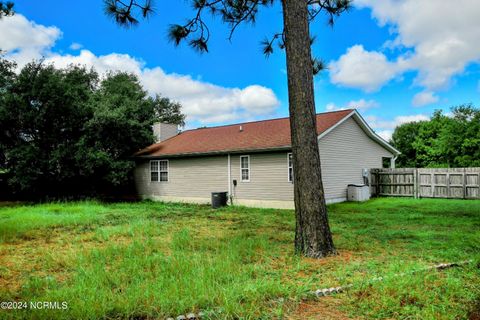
(154,260)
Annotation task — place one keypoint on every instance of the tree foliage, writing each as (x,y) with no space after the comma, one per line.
(65,132)
(6,9)
(195,30)
(168,111)
(443,141)
(402,139)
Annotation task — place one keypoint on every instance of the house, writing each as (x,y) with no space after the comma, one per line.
(252,161)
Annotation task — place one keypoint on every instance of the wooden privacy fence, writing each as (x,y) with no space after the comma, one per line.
(454,183)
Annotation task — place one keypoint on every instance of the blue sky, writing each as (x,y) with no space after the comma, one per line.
(396,60)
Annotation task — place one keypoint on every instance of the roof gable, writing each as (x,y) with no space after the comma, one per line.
(365,127)
(251,136)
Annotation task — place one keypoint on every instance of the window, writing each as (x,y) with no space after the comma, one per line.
(290,167)
(153,170)
(159,170)
(245,168)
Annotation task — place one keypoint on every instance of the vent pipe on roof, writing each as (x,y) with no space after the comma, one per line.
(241,128)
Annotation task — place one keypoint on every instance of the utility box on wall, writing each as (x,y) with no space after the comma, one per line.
(358,192)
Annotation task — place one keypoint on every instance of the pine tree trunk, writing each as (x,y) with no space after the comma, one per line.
(312,232)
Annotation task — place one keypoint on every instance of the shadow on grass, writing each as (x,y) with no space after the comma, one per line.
(475,313)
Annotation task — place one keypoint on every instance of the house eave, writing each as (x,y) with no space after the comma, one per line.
(214,153)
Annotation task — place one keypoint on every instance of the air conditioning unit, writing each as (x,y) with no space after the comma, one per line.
(358,192)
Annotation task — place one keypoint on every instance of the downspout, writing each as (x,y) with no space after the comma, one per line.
(229,174)
(392,162)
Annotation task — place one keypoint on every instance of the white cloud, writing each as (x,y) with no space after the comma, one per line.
(423,98)
(411,118)
(20,33)
(380,123)
(332,107)
(358,68)
(438,39)
(385,134)
(102,64)
(385,127)
(361,104)
(25,40)
(76,46)
(202,101)
(208,102)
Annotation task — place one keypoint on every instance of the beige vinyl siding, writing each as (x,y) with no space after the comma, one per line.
(344,152)
(268,177)
(188,177)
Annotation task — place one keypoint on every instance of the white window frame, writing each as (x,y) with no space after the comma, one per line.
(248,168)
(160,171)
(289,167)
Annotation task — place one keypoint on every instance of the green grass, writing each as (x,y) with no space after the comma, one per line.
(154,260)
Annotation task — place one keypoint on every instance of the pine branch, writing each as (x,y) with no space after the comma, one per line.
(6,9)
(125,12)
(233,12)
(333,8)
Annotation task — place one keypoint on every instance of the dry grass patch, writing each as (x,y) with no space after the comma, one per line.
(154,260)
(325,309)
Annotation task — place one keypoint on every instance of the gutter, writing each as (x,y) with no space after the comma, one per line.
(214,153)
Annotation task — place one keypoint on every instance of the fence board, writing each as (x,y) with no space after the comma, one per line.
(452,183)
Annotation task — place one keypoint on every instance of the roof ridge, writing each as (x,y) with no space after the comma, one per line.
(265,120)
(262,136)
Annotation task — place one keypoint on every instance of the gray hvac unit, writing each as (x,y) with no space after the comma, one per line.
(358,192)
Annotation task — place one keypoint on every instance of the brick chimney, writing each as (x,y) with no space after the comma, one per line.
(164,131)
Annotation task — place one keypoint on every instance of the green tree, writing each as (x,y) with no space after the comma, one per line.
(168,111)
(123,115)
(65,134)
(443,141)
(460,137)
(42,116)
(428,142)
(312,234)
(402,139)
(7,75)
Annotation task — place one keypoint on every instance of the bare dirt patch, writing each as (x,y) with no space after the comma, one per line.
(326,308)
(343,256)
(475,313)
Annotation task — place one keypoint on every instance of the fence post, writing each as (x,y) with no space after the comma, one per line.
(447,176)
(415,183)
(375,182)
(432,186)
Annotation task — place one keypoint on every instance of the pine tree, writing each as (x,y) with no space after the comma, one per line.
(312,235)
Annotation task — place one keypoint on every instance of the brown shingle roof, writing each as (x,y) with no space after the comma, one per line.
(258,135)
